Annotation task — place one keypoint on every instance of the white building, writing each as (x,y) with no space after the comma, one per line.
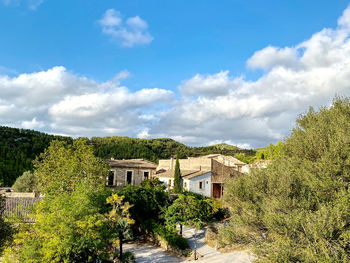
(196,181)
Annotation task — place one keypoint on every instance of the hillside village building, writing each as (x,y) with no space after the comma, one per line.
(132,171)
(203,175)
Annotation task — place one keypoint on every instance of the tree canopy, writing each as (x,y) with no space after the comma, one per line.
(64,166)
(297,209)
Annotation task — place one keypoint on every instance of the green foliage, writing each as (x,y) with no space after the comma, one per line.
(270,152)
(18,148)
(301,202)
(155,149)
(69,227)
(148,203)
(64,166)
(153,183)
(168,234)
(187,210)
(120,220)
(6,229)
(177,178)
(25,183)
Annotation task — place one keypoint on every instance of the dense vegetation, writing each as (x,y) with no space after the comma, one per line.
(297,209)
(155,149)
(19,147)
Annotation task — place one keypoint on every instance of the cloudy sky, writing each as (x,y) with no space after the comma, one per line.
(200,72)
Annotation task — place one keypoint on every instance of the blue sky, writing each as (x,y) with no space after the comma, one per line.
(180,69)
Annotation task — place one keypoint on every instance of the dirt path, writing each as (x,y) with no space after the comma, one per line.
(146,253)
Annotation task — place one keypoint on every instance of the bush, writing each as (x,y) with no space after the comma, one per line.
(169,235)
(25,183)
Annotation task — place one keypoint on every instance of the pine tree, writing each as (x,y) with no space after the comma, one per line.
(177,177)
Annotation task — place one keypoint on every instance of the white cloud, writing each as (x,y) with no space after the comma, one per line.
(31,4)
(133,32)
(62,102)
(272,56)
(33,124)
(218,107)
(223,107)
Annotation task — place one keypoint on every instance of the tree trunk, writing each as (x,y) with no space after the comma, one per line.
(180,229)
(120,248)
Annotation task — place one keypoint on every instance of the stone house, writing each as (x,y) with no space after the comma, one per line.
(205,175)
(132,171)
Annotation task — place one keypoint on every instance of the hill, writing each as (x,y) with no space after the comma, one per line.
(19,147)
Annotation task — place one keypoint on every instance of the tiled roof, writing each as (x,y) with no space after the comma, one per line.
(132,163)
(185,174)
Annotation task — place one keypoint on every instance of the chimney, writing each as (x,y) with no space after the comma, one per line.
(171,163)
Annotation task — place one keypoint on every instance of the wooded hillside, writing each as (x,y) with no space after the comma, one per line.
(19,147)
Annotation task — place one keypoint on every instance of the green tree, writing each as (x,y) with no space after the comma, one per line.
(297,209)
(25,183)
(64,166)
(120,220)
(177,177)
(69,227)
(186,210)
(148,203)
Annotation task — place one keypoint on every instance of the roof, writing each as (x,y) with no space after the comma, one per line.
(234,160)
(132,163)
(185,174)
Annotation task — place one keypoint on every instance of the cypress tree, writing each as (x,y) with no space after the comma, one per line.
(177,178)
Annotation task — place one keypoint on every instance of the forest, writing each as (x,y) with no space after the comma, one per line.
(20,147)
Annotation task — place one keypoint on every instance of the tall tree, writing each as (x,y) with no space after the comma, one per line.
(297,209)
(177,177)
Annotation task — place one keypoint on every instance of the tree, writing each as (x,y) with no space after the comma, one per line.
(70,222)
(148,202)
(297,209)
(186,210)
(69,227)
(25,183)
(63,166)
(120,220)
(177,177)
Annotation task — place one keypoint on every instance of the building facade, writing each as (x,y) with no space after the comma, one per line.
(132,172)
(205,175)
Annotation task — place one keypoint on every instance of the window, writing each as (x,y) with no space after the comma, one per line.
(145,175)
(110,178)
(200,185)
(129,177)
(169,183)
(207,182)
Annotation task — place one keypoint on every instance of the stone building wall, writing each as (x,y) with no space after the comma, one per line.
(192,163)
(137,176)
(221,172)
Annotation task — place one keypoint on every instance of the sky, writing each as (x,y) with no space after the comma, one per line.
(201,72)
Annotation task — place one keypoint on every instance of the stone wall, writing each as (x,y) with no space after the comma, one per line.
(221,172)
(192,163)
(137,176)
